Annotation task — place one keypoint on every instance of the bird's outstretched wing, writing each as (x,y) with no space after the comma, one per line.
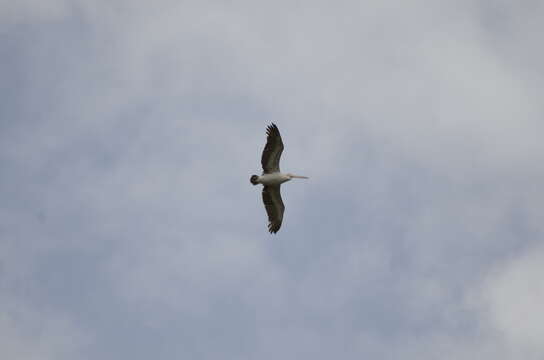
(274,207)
(272,150)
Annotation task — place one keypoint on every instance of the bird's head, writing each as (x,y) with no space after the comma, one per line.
(254,179)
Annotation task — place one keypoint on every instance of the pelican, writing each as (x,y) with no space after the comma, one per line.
(272,178)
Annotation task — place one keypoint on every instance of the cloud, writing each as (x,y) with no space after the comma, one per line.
(31,333)
(29,11)
(130,133)
(511,297)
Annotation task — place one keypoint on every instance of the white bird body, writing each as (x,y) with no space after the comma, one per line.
(277,178)
(272,178)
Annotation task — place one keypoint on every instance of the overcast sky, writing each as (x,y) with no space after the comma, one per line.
(129,228)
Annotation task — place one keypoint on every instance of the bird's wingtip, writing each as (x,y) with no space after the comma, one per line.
(272,128)
(272,229)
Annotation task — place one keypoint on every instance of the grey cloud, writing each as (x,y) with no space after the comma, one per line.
(129,132)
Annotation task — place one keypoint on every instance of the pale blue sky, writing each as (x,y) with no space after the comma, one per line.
(129,228)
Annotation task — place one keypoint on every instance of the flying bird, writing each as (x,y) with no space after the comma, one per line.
(272,178)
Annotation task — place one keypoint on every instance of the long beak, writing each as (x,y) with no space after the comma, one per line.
(299,177)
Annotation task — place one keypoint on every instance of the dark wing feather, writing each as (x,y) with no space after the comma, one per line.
(272,151)
(274,207)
